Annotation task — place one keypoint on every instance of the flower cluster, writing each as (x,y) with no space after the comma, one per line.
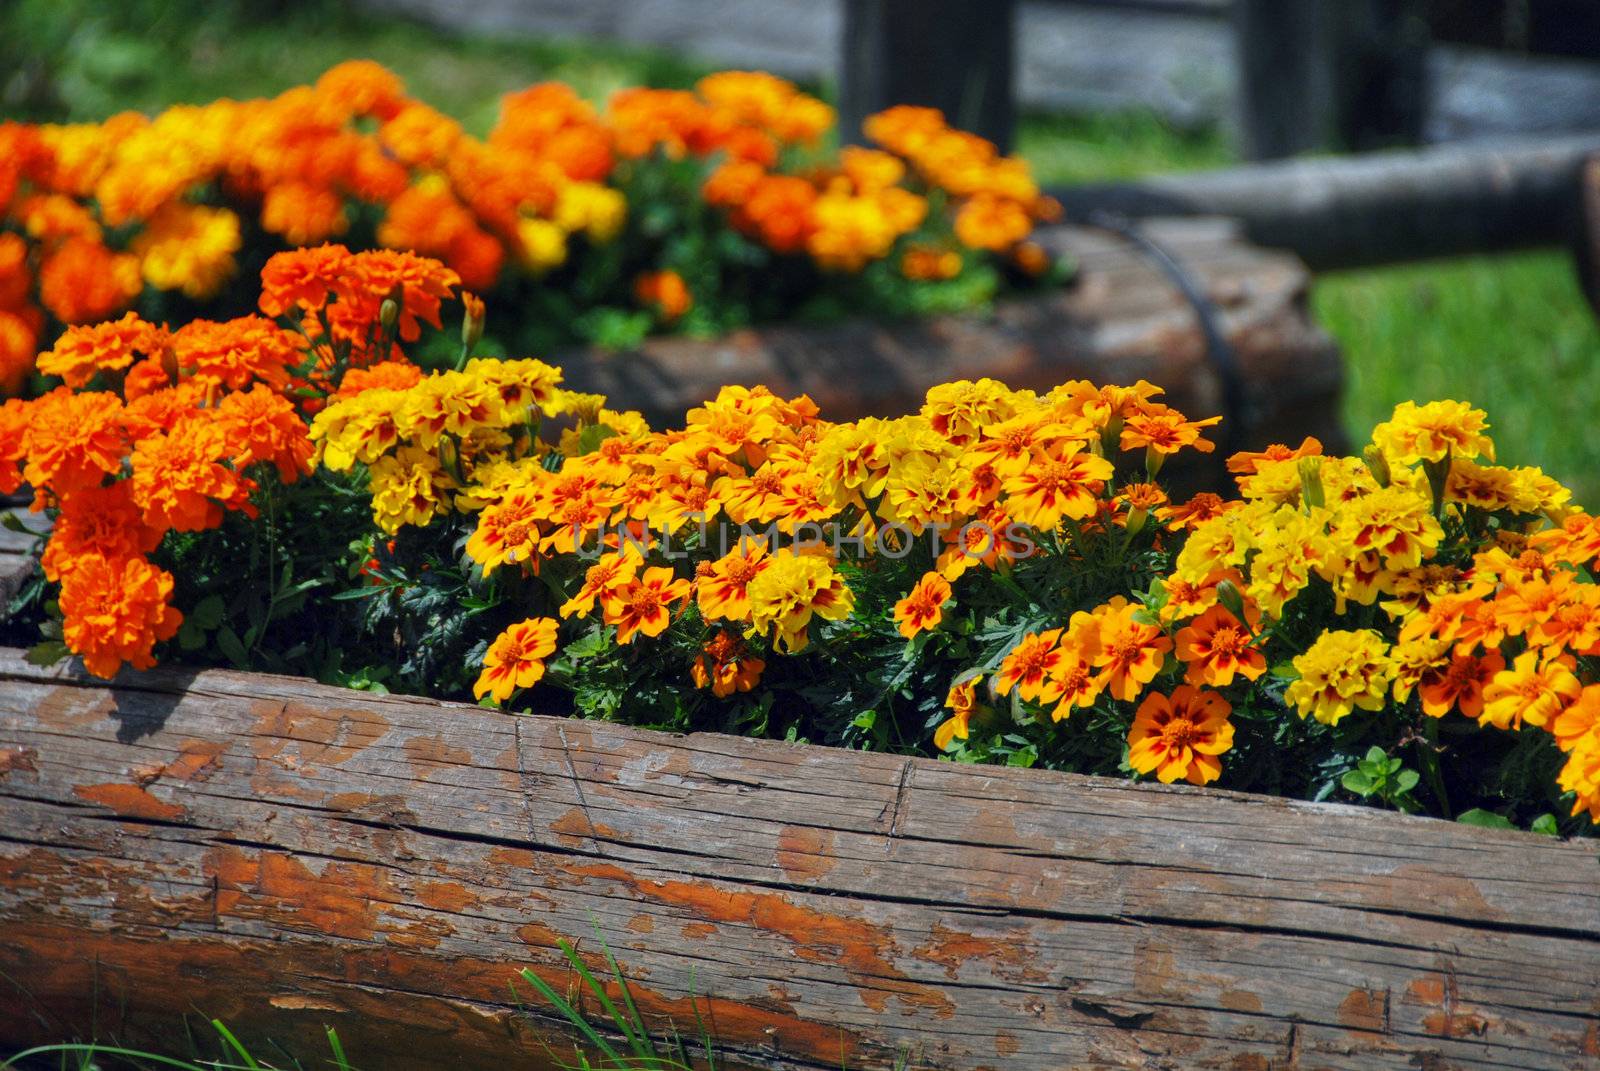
(93,214)
(1419,578)
(156,431)
(999,576)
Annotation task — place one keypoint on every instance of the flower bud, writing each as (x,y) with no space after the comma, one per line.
(471,322)
(1311,491)
(1378,465)
(1232,600)
(389,315)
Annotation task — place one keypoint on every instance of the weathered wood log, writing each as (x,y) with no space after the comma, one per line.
(17,563)
(290,857)
(1122,321)
(1378,208)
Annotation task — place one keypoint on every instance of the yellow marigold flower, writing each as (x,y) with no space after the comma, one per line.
(598,211)
(543,245)
(1341,671)
(962,701)
(923,608)
(516,658)
(360,428)
(1433,432)
(960,411)
(1062,482)
(1181,735)
(1581,775)
(790,591)
(409,487)
(1394,523)
(1530,691)
(520,384)
(188,247)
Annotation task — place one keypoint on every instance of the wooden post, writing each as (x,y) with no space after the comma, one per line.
(954,55)
(1329,74)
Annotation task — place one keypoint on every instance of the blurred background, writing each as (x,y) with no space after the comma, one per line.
(1095,90)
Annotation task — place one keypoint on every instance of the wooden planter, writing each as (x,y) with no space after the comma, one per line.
(288,857)
(1123,320)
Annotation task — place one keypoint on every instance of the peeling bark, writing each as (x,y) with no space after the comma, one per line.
(288,857)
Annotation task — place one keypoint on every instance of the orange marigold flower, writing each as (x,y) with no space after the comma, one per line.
(923,608)
(237,352)
(1218,647)
(263,427)
(508,531)
(1181,735)
(726,664)
(1581,776)
(83,350)
(19,341)
(83,281)
(116,611)
(1130,654)
(1193,513)
(1030,668)
(665,291)
(643,605)
(722,586)
(992,223)
(1529,692)
(179,479)
(1458,684)
(302,278)
(1580,719)
(610,572)
(72,441)
(962,701)
(516,658)
(385,375)
(302,213)
(1247,463)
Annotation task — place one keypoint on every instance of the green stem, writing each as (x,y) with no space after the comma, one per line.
(1429,751)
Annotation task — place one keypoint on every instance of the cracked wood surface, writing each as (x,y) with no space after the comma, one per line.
(288,856)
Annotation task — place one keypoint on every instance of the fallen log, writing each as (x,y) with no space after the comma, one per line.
(1375,208)
(290,857)
(1123,320)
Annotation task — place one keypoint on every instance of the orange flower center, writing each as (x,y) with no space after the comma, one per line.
(643,602)
(1228,641)
(1181,733)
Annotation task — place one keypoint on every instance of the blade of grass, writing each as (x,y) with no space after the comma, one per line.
(233,1043)
(571,1014)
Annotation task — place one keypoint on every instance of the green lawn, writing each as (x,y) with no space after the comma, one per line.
(1511,334)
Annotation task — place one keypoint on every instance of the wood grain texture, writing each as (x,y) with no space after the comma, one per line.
(289,856)
(1122,321)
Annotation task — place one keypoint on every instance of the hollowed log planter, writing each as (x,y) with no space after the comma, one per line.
(1122,320)
(289,857)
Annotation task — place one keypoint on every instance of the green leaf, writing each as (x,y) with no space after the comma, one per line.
(1487,819)
(14,523)
(47,653)
(590,438)
(1358,782)
(1407,780)
(207,613)
(1143,616)
(1286,671)
(228,643)
(1546,824)
(191,637)
(357,593)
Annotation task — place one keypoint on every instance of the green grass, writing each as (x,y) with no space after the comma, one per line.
(1511,334)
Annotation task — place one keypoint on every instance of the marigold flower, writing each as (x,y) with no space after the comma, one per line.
(789,592)
(82,281)
(72,441)
(1181,735)
(1458,684)
(1580,719)
(1433,432)
(608,573)
(726,665)
(643,605)
(1030,668)
(179,479)
(516,659)
(189,248)
(722,586)
(665,291)
(116,611)
(264,428)
(1060,482)
(923,608)
(962,701)
(1532,691)
(1581,775)
(83,350)
(1341,671)
(1217,647)
(97,522)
